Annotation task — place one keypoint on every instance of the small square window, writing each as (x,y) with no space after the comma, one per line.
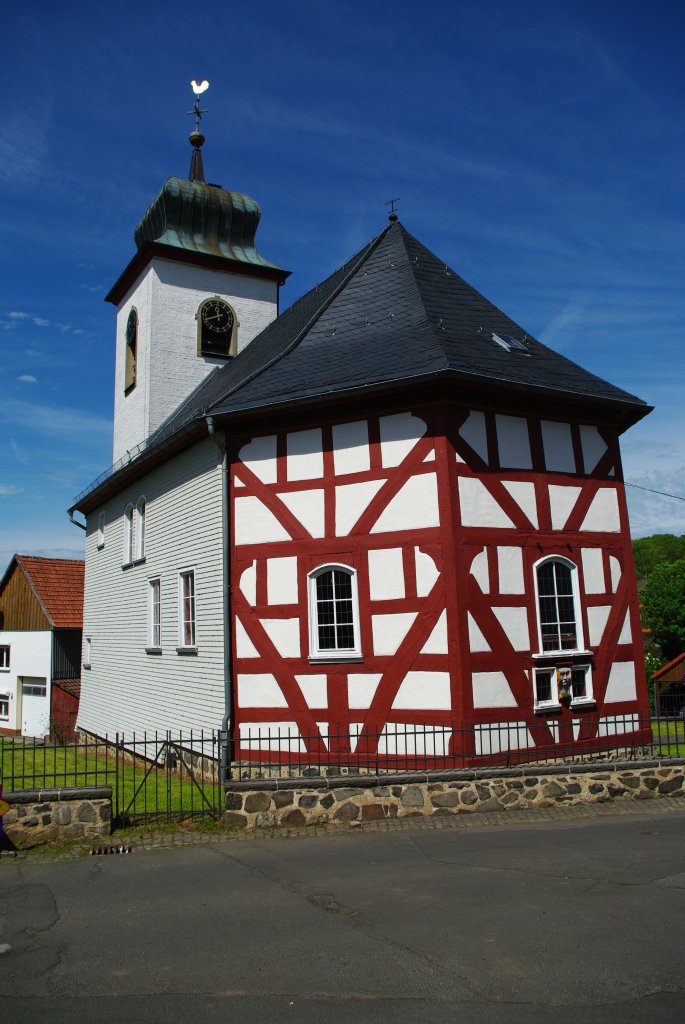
(4,657)
(4,706)
(545,682)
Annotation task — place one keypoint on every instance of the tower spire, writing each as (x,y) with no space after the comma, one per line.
(196,138)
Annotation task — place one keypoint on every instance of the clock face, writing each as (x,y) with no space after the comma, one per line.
(131,328)
(217,316)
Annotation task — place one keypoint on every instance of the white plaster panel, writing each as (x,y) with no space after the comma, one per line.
(477,641)
(255,523)
(621,685)
(576,724)
(414,507)
(248,583)
(615,572)
(281,580)
(602,514)
(259,455)
(597,619)
(473,432)
(431,456)
(514,622)
(424,691)
(561,502)
(523,493)
(497,737)
(351,501)
(593,447)
(491,690)
(558,447)
(304,454)
(390,630)
(259,691)
(626,634)
(399,434)
(437,641)
(478,507)
(284,635)
(272,736)
(244,646)
(361,688)
(398,739)
(426,572)
(513,443)
(510,570)
(351,447)
(618,724)
(386,574)
(480,571)
(314,690)
(308,509)
(593,570)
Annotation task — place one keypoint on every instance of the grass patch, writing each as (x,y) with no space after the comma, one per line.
(668,736)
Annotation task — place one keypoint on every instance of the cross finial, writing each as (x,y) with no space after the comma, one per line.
(392,216)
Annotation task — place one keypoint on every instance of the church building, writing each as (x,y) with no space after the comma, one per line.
(384,520)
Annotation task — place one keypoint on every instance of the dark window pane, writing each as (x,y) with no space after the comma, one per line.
(579,682)
(543,683)
(324,586)
(563,578)
(343,584)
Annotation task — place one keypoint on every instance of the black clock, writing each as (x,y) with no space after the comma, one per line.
(217,316)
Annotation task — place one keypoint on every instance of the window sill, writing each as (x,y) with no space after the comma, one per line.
(186,650)
(153,650)
(4,668)
(543,709)
(558,655)
(87,665)
(583,702)
(338,658)
(136,561)
(100,547)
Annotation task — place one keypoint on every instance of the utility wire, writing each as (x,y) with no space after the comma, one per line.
(664,494)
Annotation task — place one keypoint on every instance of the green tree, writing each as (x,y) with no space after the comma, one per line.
(663,607)
(651,551)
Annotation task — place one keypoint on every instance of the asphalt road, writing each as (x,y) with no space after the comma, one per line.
(575,921)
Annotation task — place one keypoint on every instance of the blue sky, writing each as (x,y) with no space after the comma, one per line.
(536,146)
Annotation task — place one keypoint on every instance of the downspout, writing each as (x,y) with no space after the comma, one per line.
(228,689)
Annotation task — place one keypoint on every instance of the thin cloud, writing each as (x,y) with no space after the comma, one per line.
(19,453)
(40,321)
(27,378)
(16,314)
(54,421)
(7,489)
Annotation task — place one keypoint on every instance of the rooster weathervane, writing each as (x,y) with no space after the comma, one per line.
(198,89)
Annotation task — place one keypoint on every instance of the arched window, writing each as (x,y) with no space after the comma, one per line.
(129,534)
(558,611)
(334,612)
(140,529)
(131,350)
(216,329)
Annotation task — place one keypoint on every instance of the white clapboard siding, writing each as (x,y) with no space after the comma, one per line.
(127,689)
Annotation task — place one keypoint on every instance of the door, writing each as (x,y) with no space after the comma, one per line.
(35,711)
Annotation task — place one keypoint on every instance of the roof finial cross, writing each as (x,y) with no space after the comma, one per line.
(392,216)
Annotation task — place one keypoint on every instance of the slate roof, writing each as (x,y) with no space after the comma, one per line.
(393,313)
(58,585)
(393,316)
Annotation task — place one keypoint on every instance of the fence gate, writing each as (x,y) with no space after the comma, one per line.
(167,778)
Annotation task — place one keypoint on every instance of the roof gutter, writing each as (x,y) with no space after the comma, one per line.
(224,751)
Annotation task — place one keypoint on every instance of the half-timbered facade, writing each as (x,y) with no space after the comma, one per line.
(416,530)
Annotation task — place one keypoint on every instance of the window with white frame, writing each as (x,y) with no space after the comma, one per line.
(334,612)
(4,657)
(551,681)
(559,625)
(129,534)
(154,631)
(139,544)
(186,609)
(101,530)
(4,706)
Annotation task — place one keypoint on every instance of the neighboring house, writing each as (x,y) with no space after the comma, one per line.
(669,688)
(41,615)
(386,507)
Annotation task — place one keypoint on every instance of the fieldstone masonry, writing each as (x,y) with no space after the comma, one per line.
(264,803)
(38,816)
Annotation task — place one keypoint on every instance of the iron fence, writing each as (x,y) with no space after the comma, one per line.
(153,775)
(269,750)
(160,775)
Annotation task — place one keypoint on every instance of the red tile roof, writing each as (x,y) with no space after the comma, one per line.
(58,583)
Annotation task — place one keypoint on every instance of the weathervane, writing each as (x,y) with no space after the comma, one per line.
(392,216)
(196,138)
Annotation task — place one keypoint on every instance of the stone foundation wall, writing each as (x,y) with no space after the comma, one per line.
(264,803)
(38,816)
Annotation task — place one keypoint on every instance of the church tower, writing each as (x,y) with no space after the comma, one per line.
(195,294)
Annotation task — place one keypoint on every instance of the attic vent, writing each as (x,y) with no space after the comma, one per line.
(510,344)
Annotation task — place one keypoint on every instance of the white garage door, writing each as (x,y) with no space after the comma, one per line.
(35,711)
